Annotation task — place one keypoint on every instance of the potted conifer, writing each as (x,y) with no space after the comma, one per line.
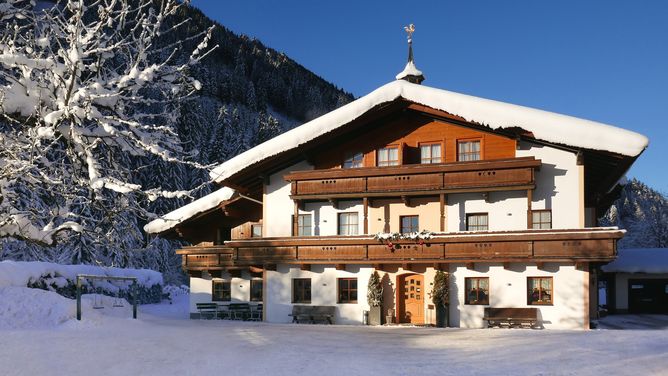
(440,295)
(374,297)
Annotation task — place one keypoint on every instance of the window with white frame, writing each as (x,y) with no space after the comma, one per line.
(430,153)
(388,156)
(348,224)
(468,150)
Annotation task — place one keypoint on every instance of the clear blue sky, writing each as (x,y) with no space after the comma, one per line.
(601,60)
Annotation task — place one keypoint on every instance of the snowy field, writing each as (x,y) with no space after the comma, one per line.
(163,342)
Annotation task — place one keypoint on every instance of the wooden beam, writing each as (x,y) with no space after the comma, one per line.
(340,266)
(442,203)
(365,202)
(540,265)
(334,203)
(255,269)
(529,212)
(406,200)
(295,220)
(306,267)
(506,265)
(271,267)
(485,196)
(406,266)
(470,265)
(439,266)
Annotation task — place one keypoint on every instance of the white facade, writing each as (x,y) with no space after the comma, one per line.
(507,288)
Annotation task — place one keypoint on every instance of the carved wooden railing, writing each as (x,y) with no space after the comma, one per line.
(521,246)
(478,176)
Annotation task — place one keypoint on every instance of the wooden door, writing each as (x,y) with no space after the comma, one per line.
(411,298)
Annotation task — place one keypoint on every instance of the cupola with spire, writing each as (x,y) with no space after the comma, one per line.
(410,72)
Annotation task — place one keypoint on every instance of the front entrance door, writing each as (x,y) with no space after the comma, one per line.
(410,298)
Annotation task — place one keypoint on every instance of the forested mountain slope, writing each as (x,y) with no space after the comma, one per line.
(643,212)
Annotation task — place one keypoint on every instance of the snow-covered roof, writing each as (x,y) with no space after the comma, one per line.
(642,260)
(171,219)
(409,70)
(544,125)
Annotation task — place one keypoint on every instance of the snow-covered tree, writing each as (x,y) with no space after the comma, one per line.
(374,295)
(84,86)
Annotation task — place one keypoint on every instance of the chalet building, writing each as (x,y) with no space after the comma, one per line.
(408,180)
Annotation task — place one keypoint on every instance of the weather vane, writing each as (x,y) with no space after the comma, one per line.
(410,29)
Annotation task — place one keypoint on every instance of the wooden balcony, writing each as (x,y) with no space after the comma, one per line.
(540,246)
(412,180)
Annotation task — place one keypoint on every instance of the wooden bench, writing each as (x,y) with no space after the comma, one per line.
(239,311)
(313,314)
(511,317)
(208,309)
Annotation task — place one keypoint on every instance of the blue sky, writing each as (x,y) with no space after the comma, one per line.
(600,60)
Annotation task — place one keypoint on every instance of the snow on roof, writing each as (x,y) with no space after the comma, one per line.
(171,219)
(546,126)
(409,70)
(642,260)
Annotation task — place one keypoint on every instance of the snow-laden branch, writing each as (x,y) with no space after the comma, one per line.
(83,86)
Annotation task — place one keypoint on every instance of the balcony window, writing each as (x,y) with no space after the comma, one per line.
(477,222)
(541,219)
(353,160)
(301,290)
(256,231)
(348,224)
(539,290)
(477,290)
(430,153)
(468,150)
(409,223)
(256,290)
(221,291)
(388,156)
(304,225)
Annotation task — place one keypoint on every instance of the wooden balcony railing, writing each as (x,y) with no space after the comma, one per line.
(408,180)
(579,245)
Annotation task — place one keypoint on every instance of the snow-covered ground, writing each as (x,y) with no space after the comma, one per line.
(164,342)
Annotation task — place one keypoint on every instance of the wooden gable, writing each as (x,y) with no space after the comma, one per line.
(408,130)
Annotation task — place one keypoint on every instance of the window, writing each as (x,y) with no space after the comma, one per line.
(301,290)
(222,291)
(430,153)
(477,290)
(256,290)
(353,160)
(388,156)
(348,224)
(468,150)
(539,290)
(256,231)
(477,222)
(304,225)
(541,219)
(409,223)
(347,290)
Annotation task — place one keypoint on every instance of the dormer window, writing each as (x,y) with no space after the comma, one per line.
(430,153)
(468,150)
(388,156)
(353,160)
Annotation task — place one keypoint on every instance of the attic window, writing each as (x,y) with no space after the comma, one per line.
(353,160)
(388,156)
(468,150)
